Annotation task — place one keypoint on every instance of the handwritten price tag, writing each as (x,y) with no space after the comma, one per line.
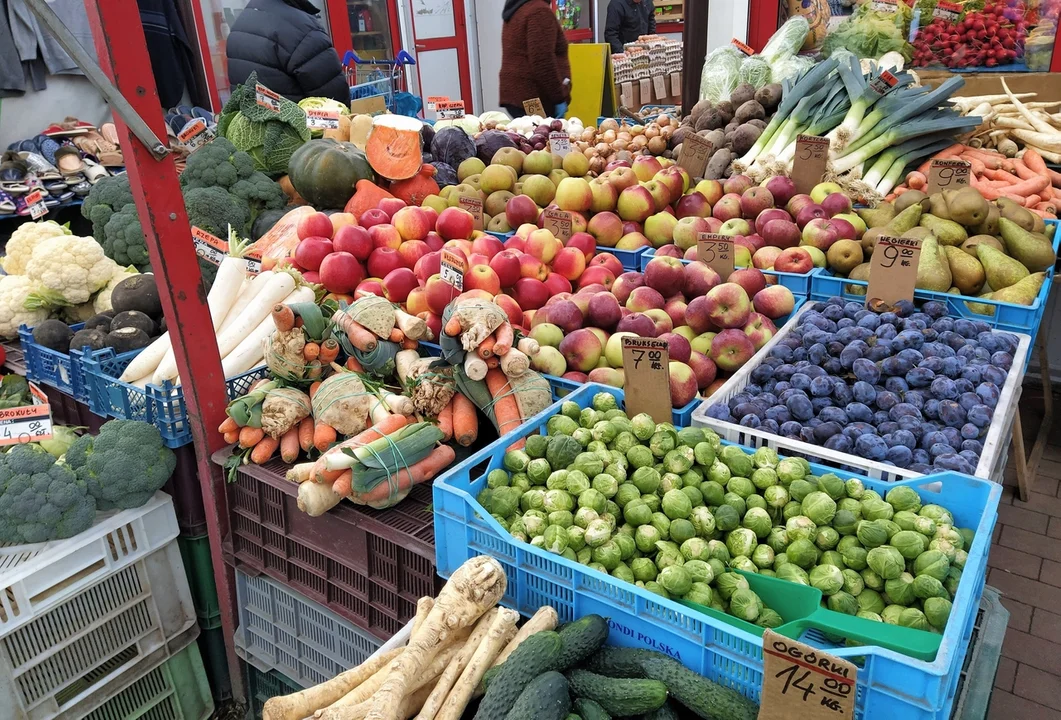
(883,82)
(559,143)
(947,174)
(717,251)
(266,98)
(695,153)
(809,162)
(450,109)
(743,47)
(893,271)
(30,423)
(534,107)
(884,6)
(558,222)
(451,269)
(646,365)
(209,247)
(804,682)
(434,100)
(322,120)
(475,207)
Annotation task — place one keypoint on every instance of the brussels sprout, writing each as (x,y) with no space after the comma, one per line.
(559,425)
(802,552)
(872,580)
(845,522)
(914,618)
(954,576)
(535,522)
(563,518)
(910,544)
(691,436)
(741,541)
(558,500)
(780,559)
(937,513)
(592,499)
(719,472)
(728,582)
(960,557)
(498,478)
(763,556)
(903,498)
(726,518)
(891,528)
(900,590)
(569,554)
(743,562)
(736,502)
(626,529)
(739,485)
(703,522)
(663,440)
(695,549)
(925,526)
(699,570)
(905,519)
(826,538)
(871,495)
(832,557)
(854,488)
(536,445)
(678,460)
(598,567)
(764,477)
(607,555)
(502,521)
(756,501)
(692,478)
(891,614)
(588,463)
(515,525)
(932,562)
(937,612)
(886,561)
(793,573)
(871,534)
(644,426)
(700,593)
(610,519)
(776,496)
(681,530)
(876,509)
(926,586)
(854,556)
(627,493)
(576,538)
(831,485)
(789,471)
(584,516)
(870,601)
(675,579)
(827,578)
(769,619)
(597,533)
(584,556)
(604,401)
(521,482)
(668,482)
(842,602)
(712,493)
(696,498)
(869,616)
(951,535)
(555,539)
(654,587)
(504,501)
(717,566)
(623,572)
(538,471)
(967,537)
(589,417)
(737,460)
(765,457)
(646,538)
(758,521)
(745,604)
(605,484)
(604,431)
(792,509)
(624,441)
(646,479)
(718,550)
(667,554)
(643,569)
(777,539)
(662,523)
(652,501)
(704,454)
(801,527)
(627,546)
(853,584)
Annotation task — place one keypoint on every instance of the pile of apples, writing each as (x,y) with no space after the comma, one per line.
(711,327)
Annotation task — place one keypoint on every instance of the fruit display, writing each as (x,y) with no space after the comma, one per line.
(677,512)
(912,388)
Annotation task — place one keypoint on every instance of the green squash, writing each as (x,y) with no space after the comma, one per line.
(325,171)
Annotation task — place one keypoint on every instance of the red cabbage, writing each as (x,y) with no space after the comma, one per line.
(490,142)
(445,174)
(452,146)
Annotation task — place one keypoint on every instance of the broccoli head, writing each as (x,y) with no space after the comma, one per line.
(124,465)
(260,193)
(106,197)
(123,239)
(216,164)
(214,209)
(40,500)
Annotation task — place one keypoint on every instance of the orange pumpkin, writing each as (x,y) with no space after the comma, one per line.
(415,189)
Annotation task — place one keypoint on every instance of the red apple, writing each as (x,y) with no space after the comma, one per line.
(341,272)
(520,209)
(530,293)
(810,212)
(455,224)
(315,224)
(754,200)
(353,239)
(391,206)
(487,245)
(369,286)
(384,235)
(428,265)
(434,241)
(511,308)
(383,260)
(781,233)
(374,216)
(782,188)
(481,277)
(794,260)
(412,223)
(506,266)
(737,184)
(411,251)
(751,279)
(439,294)
(767,215)
(557,283)
(836,203)
(585,242)
(609,261)
(310,252)
(597,274)
(398,283)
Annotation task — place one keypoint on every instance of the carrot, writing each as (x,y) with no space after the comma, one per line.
(299,322)
(391,424)
(329,351)
(305,433)
(250,436)
(323,436)
(952,151)
(435,462)
(344,484)
(311,351)
(283,317)
(1048,207)
(1034,160)
(486,347)
(396,335)
(916,180)
(1045,214)
(232,437)
(1032,200)
(493,362)
(359,336)
(289,446)
(465,420)
(505,336)
(977,165)
(354,365)
(506,410)
(410,344)
(1000,175)
(264,449)
(445,421)
(229,425)
(453,327)
(313,388)
(1032,186)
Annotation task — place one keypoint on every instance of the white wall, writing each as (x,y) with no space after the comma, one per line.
(488,25)
(25,116)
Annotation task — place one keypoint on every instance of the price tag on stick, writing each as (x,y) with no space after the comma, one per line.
(947,174)
(451,268)
(475,207)
(892,271)
(209,247)
(434,100)
(809,162)
(450,110)
(558,222)
(559,143)
(696,151)
(804,682)
(646,365)
(195,134)
(717,251)
(534,107)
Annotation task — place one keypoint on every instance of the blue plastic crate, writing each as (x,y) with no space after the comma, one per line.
(798,283)
(890,685)
(501,236)
(631,259)
(163,407)
(64,372)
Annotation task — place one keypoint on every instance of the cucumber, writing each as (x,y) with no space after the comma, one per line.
(544,698)
(581,639)
(620,697)
(667,712)
(618,662)
(704,698)
(537,654)
(488,676)
(590,710)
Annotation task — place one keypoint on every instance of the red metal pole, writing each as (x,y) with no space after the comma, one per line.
(122,51)
(762,21)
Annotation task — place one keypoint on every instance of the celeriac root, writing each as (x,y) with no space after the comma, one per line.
(501,631)
(455,668)
(302,704)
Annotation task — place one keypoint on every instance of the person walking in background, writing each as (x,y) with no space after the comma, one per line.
(284,42)
(627,21)
(534,60)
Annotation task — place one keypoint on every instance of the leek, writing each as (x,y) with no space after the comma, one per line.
(900,106)
(895,172)
(885,160)
(898,133)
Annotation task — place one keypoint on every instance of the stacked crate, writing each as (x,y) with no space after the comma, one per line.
(649,72)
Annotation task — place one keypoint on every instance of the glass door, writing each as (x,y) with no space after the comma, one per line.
(370,29)
(576,19)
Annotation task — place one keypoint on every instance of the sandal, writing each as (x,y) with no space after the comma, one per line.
(40,167)
(7,204)
(110,133)
(68,158)
(46,147)
(68,127)
(94,171)
(13,172)
(81,188)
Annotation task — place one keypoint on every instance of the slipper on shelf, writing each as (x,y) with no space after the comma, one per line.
(198,112)
(68,127)
(81,188)
(13,172)
(94,171)
(7,204)
(56,186)
(65,197)
(34,183)
(46,147)
(40,167)
(108,131)
(68,158)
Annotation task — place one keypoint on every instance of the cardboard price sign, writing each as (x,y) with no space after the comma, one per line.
(434,100)
(743,47)
(450,110)
(804,682)
(809,162)
(266,98)
(883,82)
(558,222)
(452,269)
(322,120)
(646,365)
(884,6)
(475,207)
(717,251)
(559,143)
(534,107)
(696,151)
(209,247)
(893,270)
(35,203)
(947,174)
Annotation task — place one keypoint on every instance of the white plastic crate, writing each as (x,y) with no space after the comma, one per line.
(72,658)
(34,578)
(993,459)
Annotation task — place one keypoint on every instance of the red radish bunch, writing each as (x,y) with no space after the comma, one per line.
(991,37)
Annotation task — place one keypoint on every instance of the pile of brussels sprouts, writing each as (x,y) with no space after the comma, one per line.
(674,511)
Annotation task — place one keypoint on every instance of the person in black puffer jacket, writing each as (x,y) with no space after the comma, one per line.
(283,41)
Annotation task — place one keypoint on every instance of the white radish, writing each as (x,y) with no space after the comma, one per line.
(248,351)
(247,293)
(145,364)
(275,291)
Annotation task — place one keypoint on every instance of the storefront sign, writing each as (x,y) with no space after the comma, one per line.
(646,365)
(717,251)
(947,174)
(809,162)
(804,682)
(893,270)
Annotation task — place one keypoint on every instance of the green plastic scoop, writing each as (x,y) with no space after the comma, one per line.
(800,608)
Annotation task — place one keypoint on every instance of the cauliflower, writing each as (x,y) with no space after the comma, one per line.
(24,239)
(14,289)
(102,302)
(69,269)
(124,465)
(40,499)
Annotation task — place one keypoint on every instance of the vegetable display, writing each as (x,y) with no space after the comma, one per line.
(270,138)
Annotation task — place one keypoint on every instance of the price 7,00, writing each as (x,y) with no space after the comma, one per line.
(655,357)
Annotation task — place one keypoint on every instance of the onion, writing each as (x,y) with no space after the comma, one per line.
(621,144)
(589,135)
(637,130)
(609,124)
(581,146)
(639,143)
(624,135)
(657,145)
(602,148)
(608,136)
(596,165)
(590,152)
(623,156)
(652,131)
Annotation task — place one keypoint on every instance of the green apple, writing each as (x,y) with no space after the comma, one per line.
(815,254)
(613,350)
(821,190)
(702,343)
(547,334)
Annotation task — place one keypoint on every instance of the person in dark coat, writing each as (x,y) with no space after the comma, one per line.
(283,41)
(627,21)
(534,60)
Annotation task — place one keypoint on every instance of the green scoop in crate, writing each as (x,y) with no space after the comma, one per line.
(800,607)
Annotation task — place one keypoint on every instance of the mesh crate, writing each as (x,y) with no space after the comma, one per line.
(369,566)
(14,358)
(260,685)
(63,662)
(199,569)
(977,680)
(798,283)
(51,367)
(35,578)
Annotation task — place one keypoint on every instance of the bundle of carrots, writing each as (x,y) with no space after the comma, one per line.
(1025,180)
(269,418)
